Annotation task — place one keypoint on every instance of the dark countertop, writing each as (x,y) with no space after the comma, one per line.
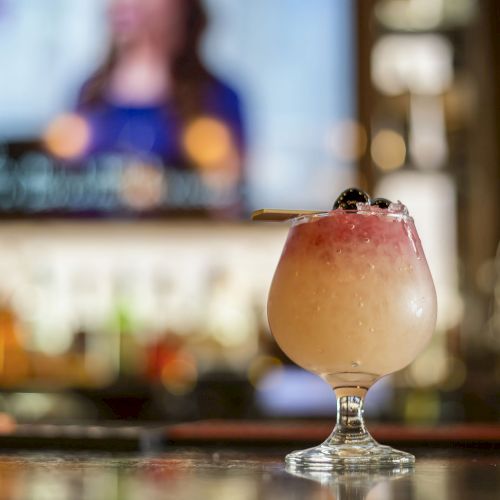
(235,475)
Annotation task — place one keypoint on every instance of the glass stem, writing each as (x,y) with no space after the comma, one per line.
(350,415)
(350,427)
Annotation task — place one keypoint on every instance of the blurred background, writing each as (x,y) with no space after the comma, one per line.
(136,136)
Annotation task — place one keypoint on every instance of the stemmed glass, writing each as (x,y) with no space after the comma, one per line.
(352,300)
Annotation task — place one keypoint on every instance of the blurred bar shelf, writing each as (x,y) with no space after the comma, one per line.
(286,433)
(231,434)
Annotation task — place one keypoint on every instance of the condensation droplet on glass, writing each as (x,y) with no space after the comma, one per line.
(296,274)
(372,266)
(339,250)
(371,329)
(318,308)
(328,263)
(367,240)
(352,226)
(401,268)
(360,323)
(355,364)
(362,277)
(361,304)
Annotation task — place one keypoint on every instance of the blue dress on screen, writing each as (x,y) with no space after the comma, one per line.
(155,131)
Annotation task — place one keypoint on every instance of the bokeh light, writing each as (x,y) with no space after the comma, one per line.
(67,136)
(347,140)
(179,375)
(423,15)
(431,367)
(207,142)
(422,406)
(388,150)
(419,64)
(143,186)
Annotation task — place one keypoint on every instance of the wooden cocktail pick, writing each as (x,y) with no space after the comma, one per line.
(276,214)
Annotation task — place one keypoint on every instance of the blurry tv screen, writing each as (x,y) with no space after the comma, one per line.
(130,107)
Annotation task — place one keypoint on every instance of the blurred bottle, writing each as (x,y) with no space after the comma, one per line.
(228,334)
(129,359)
(76,358)
(125,326)
(14,362)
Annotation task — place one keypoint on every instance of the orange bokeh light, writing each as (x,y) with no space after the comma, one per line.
(180,374)
(207,141)
(67,136)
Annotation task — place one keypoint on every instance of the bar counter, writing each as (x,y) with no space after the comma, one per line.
(236,475)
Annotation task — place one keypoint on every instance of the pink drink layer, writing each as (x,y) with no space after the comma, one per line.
(352,298)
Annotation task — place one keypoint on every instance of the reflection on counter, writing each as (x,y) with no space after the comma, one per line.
(178,475)
(356,484)
(237,476)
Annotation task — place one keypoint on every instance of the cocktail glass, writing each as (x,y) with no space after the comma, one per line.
(352,300)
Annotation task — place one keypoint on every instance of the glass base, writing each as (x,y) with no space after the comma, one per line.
(328,456)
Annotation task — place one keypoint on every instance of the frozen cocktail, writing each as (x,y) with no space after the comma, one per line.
(352,300)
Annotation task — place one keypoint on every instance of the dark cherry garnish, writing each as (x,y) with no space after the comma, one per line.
(348,199)
(381,202)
